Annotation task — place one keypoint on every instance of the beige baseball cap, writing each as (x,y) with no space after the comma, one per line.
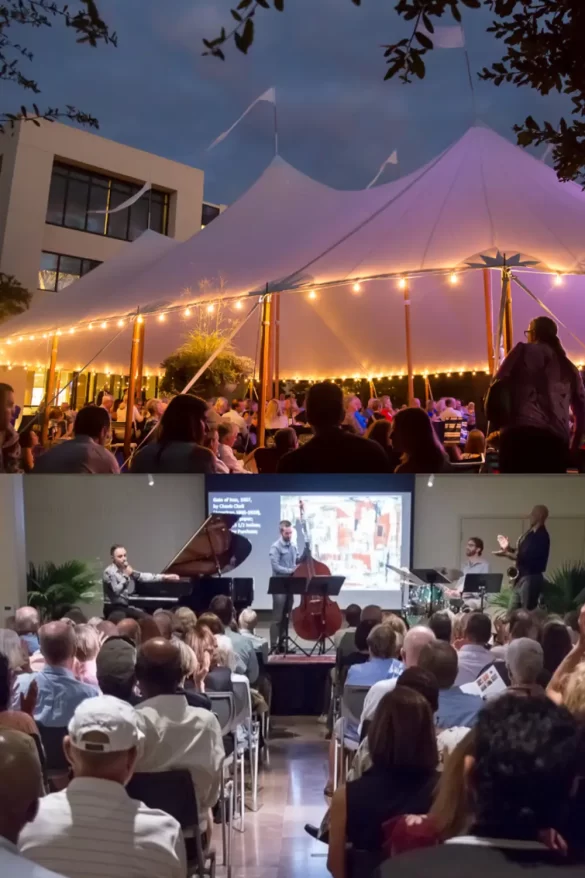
(104,724)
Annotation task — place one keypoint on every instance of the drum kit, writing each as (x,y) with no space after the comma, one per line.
(426,591)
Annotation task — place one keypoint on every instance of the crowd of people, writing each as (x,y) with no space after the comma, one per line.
(535,408)
(127,694)
(436,761)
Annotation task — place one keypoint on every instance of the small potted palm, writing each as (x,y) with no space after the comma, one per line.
(53,589)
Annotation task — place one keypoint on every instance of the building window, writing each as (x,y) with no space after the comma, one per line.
(58,271)
(208,212)
(75,194)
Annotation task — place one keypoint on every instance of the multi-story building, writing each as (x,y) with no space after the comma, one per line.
(58,187)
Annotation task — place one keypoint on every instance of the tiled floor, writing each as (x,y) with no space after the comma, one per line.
(274,844)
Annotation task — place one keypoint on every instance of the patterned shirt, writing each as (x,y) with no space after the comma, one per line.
(119,585)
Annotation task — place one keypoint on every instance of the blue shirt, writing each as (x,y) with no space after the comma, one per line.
(284,557)
(32,642)
(373,671)
(457,708)
(59,695)
(532,552)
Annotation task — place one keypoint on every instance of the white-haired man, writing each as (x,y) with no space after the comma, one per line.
(415,640)
(247,622)
(93,829)
(26,623)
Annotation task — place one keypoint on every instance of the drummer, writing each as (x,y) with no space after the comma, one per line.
(474,563)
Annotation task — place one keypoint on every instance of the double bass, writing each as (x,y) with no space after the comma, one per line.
(317,616)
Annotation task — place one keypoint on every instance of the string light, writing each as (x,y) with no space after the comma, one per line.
(58,332)
(448,374)
(357,288)
(44,336)
(120,322)
(8,341)
(453,279)
(187,312)
(558,279)
(402,283)
(312,294)
(239,305)
(71,331)
(210,308)
(20,338)
(161,318)
(90,326)
(473,373)
(140,319)
(437,375)
(32,338)
(103,325)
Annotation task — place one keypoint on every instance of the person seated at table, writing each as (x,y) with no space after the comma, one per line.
(414,439)
(380,431)
(275,416)
(211,441)
(266,460)
(456,708)
(178,446)
(525,662)
(332,449)
(474,447)
(401,780)
(154,412)
(228,433)
(244,649)
(474,654)
(86,452)
(122,412)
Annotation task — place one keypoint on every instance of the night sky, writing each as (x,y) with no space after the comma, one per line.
(338,119)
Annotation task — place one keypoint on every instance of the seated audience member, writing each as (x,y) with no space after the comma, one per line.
(247,622)
(521,623)
(450,410)
(416,638)
(26,624)
(178,445)
(211,441)
(360,652)
(346,635)
(401,780)
(30,449)
(571,620)
(371,613)
(524,660)
(569,672)
(332,450)
(275,416)
(450,813)
(59,693)
(106,628)
(235,415)
(15,650)
(87,646)
(164,621)
(475,654)
(19,720)
(441,625)
(474,447)
(456,708)
(10,453)
(130,628)
(265,460)
(247,660)
(383,662)
(148,628)
(94,828)
(184,622)
(214,674)
(86,452)
(556,644)
(228,434)
(211,621)
(20,785)
(380,431)
(154,412)
(415,440)
(520,778)
(189,670)
(176,734)
(116,669)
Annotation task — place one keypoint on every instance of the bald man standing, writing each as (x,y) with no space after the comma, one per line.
(20,785)
(531,559)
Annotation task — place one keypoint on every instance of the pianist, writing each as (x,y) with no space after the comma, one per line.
(119,578)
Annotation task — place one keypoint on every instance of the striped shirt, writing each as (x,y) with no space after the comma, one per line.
(93,829)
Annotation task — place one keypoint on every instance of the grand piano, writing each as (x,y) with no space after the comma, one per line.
(203,566)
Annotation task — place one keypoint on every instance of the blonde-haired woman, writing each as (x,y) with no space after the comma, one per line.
(275,416)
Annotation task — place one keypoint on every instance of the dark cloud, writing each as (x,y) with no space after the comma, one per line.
(338,120)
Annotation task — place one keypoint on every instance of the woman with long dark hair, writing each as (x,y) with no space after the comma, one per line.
(543,387)
(178,447)
(379,431)
(415,440)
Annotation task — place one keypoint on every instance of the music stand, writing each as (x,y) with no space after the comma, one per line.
(433,578)
(324,586)
(482,584)
(287,586)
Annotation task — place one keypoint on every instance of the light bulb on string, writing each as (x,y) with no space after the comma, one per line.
(58,332)
(448,374)
(8,341)
(402,283)
(453,279)
(210,308)
(71,331)
(31,338)
(90,326)
(20,338)
(140,319)
(161,318)
(120,323)
(558,279)
(239,305)
(103,324)
(461,373)
(312,294)
(187,312)
(357,288)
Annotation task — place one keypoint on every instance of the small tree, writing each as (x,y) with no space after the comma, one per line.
(54,588)
(14,298)
(227,369)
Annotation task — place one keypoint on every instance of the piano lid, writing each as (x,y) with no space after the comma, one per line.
(213,549)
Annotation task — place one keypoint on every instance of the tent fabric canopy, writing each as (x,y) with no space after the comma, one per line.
(481,195)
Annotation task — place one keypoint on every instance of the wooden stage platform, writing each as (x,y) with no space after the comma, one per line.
(299,683)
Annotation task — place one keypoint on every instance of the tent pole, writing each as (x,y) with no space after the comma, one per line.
(489,318)
(264,366)
(408,344)
(140,367)
(50,388)
(277,345)
(137,333)
(507,296)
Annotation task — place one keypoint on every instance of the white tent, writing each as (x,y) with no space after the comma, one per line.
(289,232)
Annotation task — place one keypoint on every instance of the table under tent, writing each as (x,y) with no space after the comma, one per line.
(411,277)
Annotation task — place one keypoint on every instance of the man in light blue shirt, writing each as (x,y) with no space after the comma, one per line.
(475,654)
(382,664)
(26,622)
(59,692)
(456,708)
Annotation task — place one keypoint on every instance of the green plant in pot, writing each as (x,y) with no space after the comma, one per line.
(563,590)
(55,588)
(226,371)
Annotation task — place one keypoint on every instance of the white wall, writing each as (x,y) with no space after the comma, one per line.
(441,512)
(12,545)
(80,517)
